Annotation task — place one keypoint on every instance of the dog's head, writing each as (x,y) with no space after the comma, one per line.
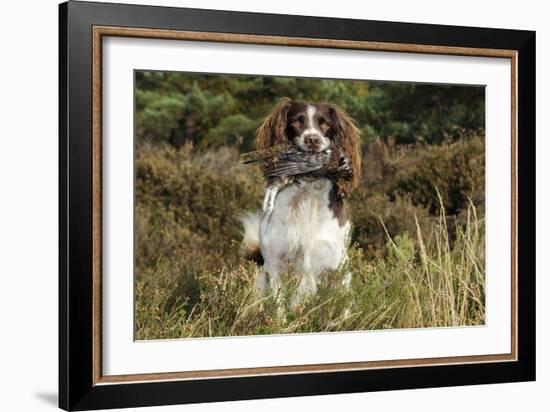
(312,127)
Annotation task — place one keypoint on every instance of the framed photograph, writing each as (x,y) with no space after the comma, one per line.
(256,206)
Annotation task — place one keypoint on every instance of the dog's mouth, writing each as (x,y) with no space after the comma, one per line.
(318,147)
(317,150)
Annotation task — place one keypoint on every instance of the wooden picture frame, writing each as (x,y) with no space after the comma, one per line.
(82,28)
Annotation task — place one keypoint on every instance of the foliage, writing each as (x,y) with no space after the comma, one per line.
(457,170)
(187,201)
(217,110)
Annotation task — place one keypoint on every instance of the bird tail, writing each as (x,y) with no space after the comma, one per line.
(251,237)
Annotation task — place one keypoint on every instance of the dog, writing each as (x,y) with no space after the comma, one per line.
(305,220)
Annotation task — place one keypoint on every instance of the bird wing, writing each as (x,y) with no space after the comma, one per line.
(296,163)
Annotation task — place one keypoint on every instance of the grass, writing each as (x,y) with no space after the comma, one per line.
(427,278)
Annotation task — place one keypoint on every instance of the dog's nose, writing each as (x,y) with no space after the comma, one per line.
(311,139)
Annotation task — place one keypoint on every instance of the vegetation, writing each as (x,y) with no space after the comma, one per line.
(418,240)
(220,110)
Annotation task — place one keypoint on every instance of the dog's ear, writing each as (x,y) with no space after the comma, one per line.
(348,138)
(273,129)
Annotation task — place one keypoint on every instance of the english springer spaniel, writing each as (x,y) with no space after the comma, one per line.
(305,219)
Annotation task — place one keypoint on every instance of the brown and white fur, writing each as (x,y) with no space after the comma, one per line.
(308,222)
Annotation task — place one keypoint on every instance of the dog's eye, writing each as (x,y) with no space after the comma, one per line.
(298,121)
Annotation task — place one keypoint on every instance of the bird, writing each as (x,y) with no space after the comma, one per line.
(288,160)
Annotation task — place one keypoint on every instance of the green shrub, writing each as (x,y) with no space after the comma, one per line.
(456,170)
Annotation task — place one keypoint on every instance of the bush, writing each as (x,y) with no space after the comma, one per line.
(188,202)
(456,170)
(370,212)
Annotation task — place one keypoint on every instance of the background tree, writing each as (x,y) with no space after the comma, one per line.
(221,110)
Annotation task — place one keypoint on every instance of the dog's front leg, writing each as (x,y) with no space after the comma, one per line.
(271,194)
(307,287)
(272,273)
(261,282)
(269,199)
(321,255)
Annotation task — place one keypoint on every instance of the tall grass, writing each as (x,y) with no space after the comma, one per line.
(426,279)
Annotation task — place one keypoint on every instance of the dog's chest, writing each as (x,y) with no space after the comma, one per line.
(302,215)
(306,202)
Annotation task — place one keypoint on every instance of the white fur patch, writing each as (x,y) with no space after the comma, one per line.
(310,114)
(302,229)
(251,226)
(311,129)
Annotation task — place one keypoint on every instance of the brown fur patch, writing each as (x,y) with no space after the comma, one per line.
(350,142)
(338,206)
(254,255)
(273,130)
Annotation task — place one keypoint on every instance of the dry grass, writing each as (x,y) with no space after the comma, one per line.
(191,280)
